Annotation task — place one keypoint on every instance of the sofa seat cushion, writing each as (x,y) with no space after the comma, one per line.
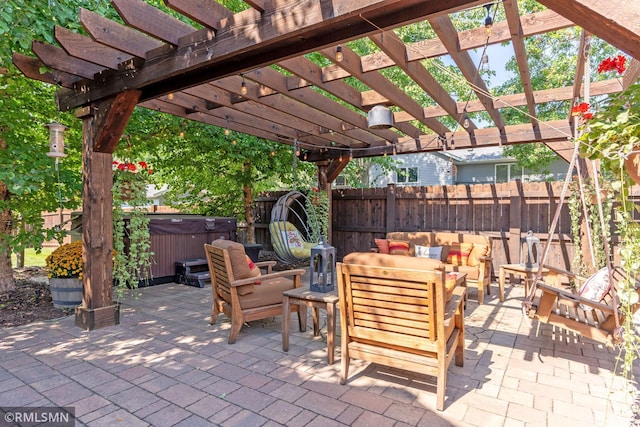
(385,260)
(473,273)
(270,292)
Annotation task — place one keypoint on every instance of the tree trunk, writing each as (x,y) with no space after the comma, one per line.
(249,210)
(7,282)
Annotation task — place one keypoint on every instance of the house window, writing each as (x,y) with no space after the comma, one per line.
(340,181)
(407,175)
(507,172)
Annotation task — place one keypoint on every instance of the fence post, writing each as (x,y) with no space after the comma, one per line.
(391,207)
(516,197)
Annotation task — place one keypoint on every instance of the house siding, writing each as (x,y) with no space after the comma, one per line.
(432,170)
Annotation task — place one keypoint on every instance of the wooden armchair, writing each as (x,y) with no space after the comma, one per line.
(243,295)
(400,318)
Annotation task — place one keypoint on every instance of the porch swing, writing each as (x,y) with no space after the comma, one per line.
(294,226)
(591,310)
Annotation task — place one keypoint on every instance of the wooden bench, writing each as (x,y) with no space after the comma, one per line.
(399,318)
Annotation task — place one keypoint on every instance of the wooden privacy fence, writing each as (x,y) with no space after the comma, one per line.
(505,212)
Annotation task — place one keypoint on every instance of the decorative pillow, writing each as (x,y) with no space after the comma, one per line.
(459,253)
(479,250)
(595,288)
(254,271)
(383,246)
(433,252)
(292,238)
(398,247)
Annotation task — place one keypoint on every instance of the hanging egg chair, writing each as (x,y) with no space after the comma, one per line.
(294,228)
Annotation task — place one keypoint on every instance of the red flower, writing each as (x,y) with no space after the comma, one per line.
(613,64)
(132,167)
(580,109)
(587,116)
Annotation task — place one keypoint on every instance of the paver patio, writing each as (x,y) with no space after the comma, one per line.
(165,366)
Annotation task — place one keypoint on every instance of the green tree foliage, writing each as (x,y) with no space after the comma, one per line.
(552,59)
(29,180)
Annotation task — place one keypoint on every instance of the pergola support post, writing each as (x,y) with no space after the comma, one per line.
(98,309)
(102,126)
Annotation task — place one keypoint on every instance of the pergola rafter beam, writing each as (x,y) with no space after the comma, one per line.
(290,29)
(391,44)
(152,21)
(516,33)
(445,30)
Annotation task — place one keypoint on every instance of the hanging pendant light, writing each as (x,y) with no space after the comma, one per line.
(484,62)
(380,117)
(243,87)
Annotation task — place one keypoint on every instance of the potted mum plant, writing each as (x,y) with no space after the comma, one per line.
(64,268)
(131,239)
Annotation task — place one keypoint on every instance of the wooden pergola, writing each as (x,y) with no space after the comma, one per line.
(198,68)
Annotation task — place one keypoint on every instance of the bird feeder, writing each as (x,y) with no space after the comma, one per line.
(323,268)
(56,140)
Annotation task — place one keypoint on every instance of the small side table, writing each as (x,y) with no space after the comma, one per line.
(315,300)
(529,274)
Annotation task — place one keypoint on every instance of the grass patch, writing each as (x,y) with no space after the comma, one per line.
(31,258)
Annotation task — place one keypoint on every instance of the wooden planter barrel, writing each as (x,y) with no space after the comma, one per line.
(66,292)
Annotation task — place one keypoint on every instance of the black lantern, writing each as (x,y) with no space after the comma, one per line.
(323,271)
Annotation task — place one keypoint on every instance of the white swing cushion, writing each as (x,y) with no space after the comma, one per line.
(596,287)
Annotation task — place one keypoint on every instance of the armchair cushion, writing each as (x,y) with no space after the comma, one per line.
(269,293)
(387,260)
(238,260)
